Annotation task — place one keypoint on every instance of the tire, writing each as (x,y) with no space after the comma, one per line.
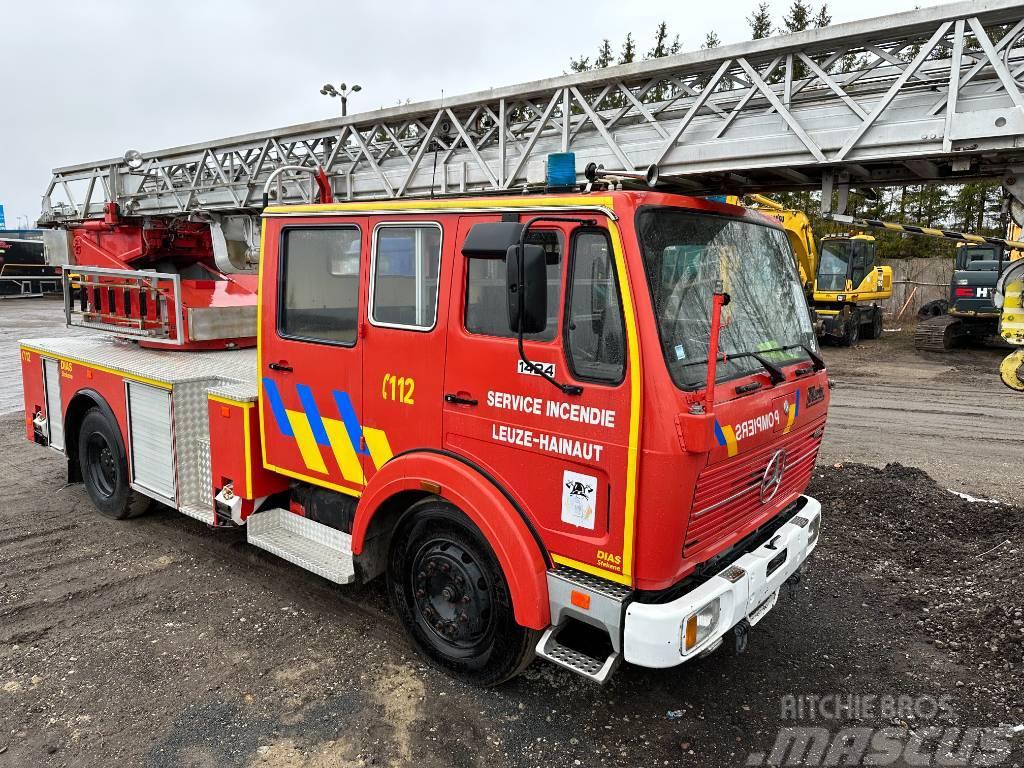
(448,589)
(873,329)
(851,332)
(104,466)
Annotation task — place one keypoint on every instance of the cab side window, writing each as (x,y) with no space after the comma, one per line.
(406,264)
(486,306)
(594,330)
(318,296)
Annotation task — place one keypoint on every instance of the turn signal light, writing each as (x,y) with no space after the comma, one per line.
(691,632)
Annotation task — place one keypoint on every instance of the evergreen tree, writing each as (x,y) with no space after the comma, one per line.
(799,17)
(660,48)
(760,22)
(711,40)
(582,64)
(604,55)
(824,18)
(628,54)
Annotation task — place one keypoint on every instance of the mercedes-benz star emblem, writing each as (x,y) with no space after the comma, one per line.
(772,479)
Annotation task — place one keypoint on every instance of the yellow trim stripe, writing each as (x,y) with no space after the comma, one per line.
(316,480)
(231,401)
(632,450)
(574,201)
(310,451)
(344,453)
(100,368)
(593,570)
(378,445)
(248,451)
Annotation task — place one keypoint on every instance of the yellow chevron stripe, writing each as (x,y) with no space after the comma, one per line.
(378,445)
(344,452)
(791,419)
(731,446)
(310,451)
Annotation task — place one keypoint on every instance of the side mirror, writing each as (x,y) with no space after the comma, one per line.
(533,290)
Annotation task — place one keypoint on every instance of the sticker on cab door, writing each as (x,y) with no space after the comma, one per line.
(530,369)
(579,499)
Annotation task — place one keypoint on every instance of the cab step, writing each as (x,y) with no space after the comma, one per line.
(596,669)
(310,545)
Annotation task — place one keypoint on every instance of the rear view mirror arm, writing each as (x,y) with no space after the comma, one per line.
(566,389)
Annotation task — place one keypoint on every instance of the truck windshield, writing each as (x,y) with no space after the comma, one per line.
(684,255)
(979,258)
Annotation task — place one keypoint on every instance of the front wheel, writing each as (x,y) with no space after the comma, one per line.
(104,466)
(448,589)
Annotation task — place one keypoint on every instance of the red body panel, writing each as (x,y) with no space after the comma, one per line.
(235,451)
(74,377)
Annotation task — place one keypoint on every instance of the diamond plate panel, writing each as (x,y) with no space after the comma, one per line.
(205,472)
(308,544)
(235,366)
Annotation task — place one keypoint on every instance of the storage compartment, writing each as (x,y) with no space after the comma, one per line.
(152,442)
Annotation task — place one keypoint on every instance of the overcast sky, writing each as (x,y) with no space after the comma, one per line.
(88,79)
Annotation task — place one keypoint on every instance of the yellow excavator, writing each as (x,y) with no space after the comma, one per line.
(842,282)
(1009,299)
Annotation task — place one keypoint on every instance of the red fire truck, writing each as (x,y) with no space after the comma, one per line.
(578,425)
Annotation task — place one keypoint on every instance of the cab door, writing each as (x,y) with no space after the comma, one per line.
(404,343)
(563,457)
(310,355)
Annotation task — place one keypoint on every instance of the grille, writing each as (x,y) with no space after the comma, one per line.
(728,495)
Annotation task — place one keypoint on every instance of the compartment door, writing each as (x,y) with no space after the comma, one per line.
(54,411)
(152,442)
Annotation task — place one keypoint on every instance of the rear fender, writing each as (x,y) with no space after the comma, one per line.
(522,558)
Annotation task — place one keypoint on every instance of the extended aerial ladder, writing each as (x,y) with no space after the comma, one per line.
(928,96)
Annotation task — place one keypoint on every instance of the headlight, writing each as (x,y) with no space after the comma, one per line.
(812,531)
(699,626)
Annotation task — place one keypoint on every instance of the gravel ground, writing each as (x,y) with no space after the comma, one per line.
(159,642)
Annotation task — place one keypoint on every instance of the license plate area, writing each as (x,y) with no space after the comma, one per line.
(762,610)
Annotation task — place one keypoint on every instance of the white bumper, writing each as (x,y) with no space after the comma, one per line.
(653,634)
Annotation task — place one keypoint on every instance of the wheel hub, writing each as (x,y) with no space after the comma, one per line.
(452,596)
(102,464)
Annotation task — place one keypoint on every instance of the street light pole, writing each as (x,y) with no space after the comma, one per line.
(342,92)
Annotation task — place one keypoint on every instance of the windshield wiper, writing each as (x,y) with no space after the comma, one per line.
(774,372)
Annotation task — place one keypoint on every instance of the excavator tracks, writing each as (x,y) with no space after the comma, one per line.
(938,334)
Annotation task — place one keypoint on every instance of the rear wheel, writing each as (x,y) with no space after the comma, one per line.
(873,328)
(104,467)
(851,331)
(448,589)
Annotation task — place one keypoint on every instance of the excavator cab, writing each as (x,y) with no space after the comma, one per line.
(847,271)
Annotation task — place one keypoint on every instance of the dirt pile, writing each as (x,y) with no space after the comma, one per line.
(953,563)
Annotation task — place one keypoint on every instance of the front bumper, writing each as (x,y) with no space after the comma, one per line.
(653,633)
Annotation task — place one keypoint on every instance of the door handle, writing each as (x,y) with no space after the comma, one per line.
(282,367)
(456,400)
